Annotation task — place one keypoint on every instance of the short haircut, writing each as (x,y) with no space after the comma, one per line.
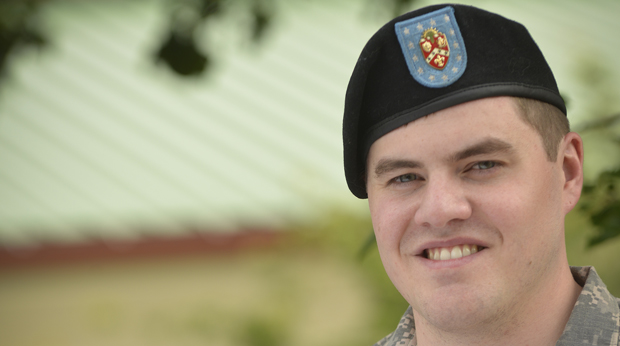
(550,123)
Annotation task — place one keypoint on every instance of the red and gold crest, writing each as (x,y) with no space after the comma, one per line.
(435,48)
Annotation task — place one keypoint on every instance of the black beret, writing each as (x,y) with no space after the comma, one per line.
(431,59)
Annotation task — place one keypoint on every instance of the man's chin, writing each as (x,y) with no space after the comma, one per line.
(455,309)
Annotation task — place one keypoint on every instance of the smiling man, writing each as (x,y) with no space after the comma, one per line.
(455,131)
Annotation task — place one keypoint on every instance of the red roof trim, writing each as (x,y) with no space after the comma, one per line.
(195,243)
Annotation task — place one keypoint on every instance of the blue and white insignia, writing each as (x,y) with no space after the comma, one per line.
(433,48)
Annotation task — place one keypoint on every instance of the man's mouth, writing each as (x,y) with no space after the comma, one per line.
(453,252)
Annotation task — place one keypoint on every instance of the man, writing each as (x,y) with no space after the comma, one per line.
(455,131)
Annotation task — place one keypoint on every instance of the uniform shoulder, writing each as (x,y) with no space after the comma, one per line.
(385,341)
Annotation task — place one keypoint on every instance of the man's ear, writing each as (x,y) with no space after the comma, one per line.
(571,155)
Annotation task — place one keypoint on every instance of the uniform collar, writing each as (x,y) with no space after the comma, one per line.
(595,319)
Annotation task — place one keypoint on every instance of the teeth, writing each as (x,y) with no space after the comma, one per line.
(456,252)
(466,250)
(442,254)
(445,254)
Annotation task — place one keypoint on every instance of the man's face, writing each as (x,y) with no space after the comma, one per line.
(471,175)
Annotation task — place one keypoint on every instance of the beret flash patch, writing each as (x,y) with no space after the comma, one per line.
(433,48)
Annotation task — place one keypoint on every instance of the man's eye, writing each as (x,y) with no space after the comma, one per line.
(484,165)
(406,178)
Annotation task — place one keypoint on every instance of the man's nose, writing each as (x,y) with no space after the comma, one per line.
(443,200)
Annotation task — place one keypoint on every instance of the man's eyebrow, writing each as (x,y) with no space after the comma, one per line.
(388,165)
(487,146)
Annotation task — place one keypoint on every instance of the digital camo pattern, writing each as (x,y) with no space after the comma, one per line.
(595,319)
(404,335)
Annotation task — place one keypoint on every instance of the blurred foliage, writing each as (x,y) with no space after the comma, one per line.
(183,54)
(259,332)
(351,236)
(180,49)
(600,200)
(19,28)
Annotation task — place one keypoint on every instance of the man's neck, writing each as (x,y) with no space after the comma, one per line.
(538,322)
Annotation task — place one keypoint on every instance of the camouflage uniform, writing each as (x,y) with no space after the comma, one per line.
(595,319)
